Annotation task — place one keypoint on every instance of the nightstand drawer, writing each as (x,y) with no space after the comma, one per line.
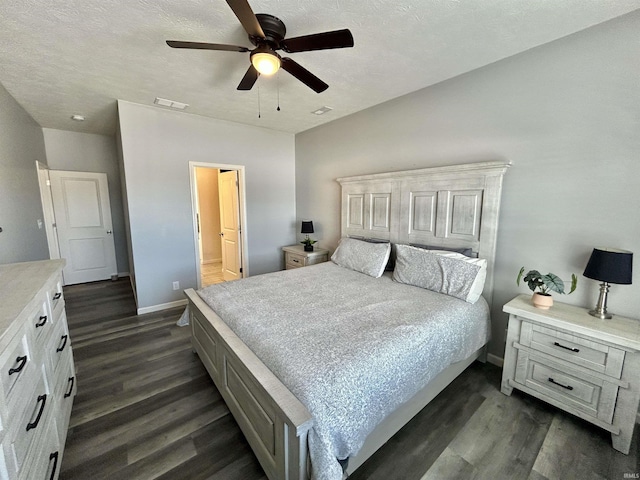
(295,256)
(293,260)
(574,390)
(587,353)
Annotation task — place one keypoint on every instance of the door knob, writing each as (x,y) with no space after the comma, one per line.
(109,232)
(221,234)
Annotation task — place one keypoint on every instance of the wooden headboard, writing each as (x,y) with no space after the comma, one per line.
(454,206)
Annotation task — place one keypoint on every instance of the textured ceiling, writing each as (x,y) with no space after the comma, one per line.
(78,56)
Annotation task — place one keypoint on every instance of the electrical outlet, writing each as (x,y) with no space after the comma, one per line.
(176,285)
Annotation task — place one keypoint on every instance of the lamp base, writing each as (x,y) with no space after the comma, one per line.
(308,248)
(601,307)
(600,315)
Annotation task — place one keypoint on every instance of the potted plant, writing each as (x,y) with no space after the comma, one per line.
(308,244)
(544,284)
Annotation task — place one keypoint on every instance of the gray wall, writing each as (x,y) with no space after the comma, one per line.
(87,152)
(157,146)
(21,144)
(567,115)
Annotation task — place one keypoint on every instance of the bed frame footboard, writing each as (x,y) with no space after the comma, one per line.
(273,420)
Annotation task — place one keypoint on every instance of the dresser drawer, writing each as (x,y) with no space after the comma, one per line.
(41,325)
(64,390)
(573,389)
(55,294)
(31,424)
(45,459)
(294,261)
(587,353)
(17,368)
(58,344)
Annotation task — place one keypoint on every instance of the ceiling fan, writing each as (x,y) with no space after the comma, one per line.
(267,33)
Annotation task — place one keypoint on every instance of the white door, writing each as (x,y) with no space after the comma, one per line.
(230,225)
(83,220)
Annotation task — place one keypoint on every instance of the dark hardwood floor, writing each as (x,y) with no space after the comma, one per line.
(146,409)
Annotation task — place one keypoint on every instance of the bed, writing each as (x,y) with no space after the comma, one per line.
(258,337)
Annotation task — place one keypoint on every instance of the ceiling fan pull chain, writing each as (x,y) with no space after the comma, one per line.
(259,101)
(278,88)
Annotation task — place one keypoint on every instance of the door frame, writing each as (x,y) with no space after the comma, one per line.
(47,210)
(242,207)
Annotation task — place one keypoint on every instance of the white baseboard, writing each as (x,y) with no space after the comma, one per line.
(162,306)
(495,360)
(213,260)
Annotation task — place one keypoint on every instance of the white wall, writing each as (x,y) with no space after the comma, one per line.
(21,144)
(567,115)
(87,152)
(157,146)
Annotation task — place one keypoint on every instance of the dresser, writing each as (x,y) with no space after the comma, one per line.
(296,257)
(584,365)
(37,384)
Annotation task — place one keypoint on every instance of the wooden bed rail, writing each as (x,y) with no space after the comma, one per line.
(272,419)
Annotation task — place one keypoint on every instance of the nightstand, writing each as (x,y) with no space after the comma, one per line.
(581,364)
(296,257)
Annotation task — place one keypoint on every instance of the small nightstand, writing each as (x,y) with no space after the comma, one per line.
(296,257)
(581,364)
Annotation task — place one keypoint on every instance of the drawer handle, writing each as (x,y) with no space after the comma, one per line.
(42,399)
(22,361)
(71,380)
(568,387)
(574,350)
(64,339)
(42,321)
(57,295)
(54,456)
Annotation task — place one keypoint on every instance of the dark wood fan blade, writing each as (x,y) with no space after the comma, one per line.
(249,79)
(206,46)
(247,18)
(318,41)
(304,75)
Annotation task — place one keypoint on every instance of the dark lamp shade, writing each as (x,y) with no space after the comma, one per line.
(307,227)
(610,265)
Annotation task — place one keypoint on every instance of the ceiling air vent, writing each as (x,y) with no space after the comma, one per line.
(170,103)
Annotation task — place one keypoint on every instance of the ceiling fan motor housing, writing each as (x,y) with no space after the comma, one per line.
(273,28)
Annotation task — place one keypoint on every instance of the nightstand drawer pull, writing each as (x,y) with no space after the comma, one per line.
(574,350)
(19,360)
(64,339)
(42,321)
(295,260)
(568,387)
(42,399)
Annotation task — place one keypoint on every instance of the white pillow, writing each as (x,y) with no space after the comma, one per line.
(361,256)
(445,272)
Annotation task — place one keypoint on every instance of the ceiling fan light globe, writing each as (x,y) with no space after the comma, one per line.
(265,63)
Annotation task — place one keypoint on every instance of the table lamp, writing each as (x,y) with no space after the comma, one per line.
(307,228)
(608,265)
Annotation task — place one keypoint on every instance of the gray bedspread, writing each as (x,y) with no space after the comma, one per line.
(350,347)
